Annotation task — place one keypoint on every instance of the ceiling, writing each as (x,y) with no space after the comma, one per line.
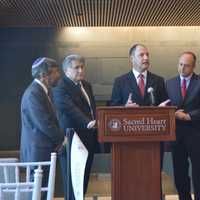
(59,13)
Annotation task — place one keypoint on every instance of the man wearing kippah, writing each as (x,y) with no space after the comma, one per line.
(40,133)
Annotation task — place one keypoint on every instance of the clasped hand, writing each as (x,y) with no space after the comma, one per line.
(181,115)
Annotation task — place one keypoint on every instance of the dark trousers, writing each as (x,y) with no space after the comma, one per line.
(161,167)
(187,147)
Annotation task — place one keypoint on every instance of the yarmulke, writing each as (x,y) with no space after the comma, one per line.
(38,62)
(43,61)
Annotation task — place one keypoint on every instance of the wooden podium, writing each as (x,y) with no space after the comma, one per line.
(135,134)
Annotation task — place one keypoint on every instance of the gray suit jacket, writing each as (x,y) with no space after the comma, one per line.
(40,130)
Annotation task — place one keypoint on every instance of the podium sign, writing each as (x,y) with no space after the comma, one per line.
(135,134)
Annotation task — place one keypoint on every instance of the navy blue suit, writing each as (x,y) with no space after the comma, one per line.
(74,113)
(126,84)
(40,129)
(187,144)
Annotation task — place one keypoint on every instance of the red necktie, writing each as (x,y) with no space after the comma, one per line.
(141,84)
(183,88)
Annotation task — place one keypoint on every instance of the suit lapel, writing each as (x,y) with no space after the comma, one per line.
(149,83)
(190,88)
(85,86)
(49,101)
(75,91)
(177,91)
(92,103)
(43,93)
(83,97)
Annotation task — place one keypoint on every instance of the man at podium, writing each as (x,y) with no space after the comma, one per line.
(139,87)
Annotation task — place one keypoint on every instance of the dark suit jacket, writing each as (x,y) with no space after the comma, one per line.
(190,104)
(40,131)
(73,109)
(126,84)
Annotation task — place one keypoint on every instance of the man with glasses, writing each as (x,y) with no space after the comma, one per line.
(184,93)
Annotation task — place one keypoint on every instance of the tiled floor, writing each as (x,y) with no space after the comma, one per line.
(100,186)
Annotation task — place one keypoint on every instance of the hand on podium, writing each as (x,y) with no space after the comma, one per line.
(164,103)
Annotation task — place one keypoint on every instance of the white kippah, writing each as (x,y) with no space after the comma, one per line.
(38,62)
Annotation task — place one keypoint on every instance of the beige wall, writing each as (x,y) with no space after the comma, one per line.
(106,50)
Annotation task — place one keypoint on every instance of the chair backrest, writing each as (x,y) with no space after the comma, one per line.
(22,184)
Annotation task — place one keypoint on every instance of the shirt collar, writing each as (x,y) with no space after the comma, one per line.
(186,78)
(75,82)
(42,85)
(136,73)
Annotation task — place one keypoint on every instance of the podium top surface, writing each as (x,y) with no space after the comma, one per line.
(135,108)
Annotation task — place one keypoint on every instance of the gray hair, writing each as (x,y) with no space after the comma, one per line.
(73,57)
(42,66)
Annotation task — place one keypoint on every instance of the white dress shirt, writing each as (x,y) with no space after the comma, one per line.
(137,75)
(187,80)
(42,85)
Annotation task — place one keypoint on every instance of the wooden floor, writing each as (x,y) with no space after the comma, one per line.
(100,187)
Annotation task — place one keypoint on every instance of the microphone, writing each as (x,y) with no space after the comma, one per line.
(150,90)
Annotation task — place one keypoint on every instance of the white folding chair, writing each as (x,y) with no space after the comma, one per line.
(20,186)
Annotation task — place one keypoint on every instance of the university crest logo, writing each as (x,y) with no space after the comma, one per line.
(114,125)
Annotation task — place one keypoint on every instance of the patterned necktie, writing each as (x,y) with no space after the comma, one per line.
(183,88)
(141,84)
(85,95)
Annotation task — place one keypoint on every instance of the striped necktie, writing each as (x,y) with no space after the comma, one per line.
(80,85)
